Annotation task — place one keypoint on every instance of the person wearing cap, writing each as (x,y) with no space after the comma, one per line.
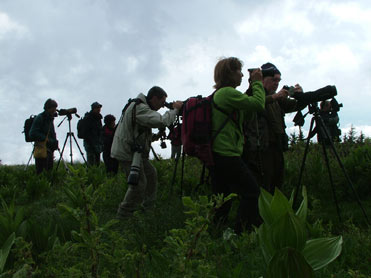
(134,134)
(93,139)
(265,134)
(43,129)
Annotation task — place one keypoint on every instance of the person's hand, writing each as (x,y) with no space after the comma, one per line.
(256,75)
(282,94)
(177,104)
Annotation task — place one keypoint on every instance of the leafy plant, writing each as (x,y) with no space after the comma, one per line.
(12,220)
(4,252)
(284,240)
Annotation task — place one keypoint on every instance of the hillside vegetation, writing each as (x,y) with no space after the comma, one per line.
(63,224)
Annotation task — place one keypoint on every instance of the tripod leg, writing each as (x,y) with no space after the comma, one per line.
(303,162)
(77,144)
(182,176)
(174,175)
(331,180)
(29,160)
(349,181)
(64,145)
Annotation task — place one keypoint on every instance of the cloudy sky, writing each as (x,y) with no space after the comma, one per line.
(81,51)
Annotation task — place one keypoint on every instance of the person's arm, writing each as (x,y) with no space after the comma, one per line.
(236,100)
(147,117)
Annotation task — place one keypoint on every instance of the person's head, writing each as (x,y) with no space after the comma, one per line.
(156,97)
(109,120)
(271,77)
(227,73)
(50,106)
(96,107)
(325,105)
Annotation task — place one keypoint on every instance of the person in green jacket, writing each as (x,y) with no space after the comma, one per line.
(230,174)
(43,128)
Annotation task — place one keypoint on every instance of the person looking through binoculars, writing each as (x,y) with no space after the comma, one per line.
(43,133)
(132,143)
(266,138)
(230,173)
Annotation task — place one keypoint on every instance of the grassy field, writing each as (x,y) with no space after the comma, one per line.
(64,222)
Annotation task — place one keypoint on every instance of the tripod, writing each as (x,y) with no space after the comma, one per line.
(320,127)
(70,135)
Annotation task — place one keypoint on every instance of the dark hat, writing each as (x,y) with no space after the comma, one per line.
(96,105)
(268,69)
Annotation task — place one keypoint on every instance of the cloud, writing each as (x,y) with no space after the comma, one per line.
(8,27)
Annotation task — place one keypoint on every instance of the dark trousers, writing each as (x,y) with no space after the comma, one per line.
(111,164)
(92,158)
(267,167)
(231,175)
(44,163)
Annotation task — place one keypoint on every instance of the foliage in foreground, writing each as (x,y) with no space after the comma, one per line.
(66,227)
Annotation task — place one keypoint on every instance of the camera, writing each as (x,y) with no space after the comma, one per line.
(133,177)
(169,105)
(69,111)
(252,69)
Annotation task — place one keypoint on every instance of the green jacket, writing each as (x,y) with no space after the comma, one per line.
(230,140)
(43,123)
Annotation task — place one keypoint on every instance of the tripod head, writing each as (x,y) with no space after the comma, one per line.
(68,113)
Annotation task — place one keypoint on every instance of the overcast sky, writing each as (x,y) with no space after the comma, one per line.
(81,51)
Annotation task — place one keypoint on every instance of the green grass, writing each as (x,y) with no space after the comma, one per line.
(157,243)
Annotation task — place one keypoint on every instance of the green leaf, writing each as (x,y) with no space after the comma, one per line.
(4,252)
(288,231)
(265,242)
(279,205)
(303,209)
(265,200)
(289,262)
(322,251)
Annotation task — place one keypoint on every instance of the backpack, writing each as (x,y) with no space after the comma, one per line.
(196,129)
(27,127)
(81,128)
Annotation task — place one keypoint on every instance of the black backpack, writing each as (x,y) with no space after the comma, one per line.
(27,127)
(81,128)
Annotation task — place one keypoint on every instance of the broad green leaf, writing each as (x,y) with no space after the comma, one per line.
(289,262)
(288,231)
(303,209)
(322,251)
(265,242)
(4,252)
(265,200)
(279,205)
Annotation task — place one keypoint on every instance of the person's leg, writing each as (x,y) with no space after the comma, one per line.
(49,160)
(151,188)
(220,184)
(135,193)
(40,164)
(235,177)
(248,190)
(97,159)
